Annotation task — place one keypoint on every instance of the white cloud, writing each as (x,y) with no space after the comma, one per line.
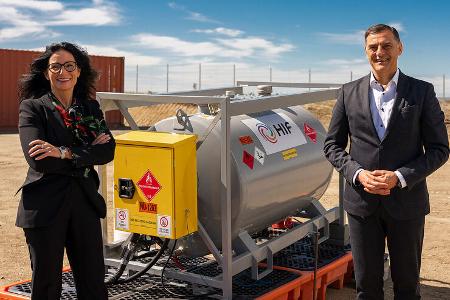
(230,48)
(192,15)
(198,17)
(220,30)
(177,45)
(356,37)
(248,46)
(343,62)
(33,4)
(96,16)
(398,26)
(131,58)
(353,38)
(36,19)
(20,25)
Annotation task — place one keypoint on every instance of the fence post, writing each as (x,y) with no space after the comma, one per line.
(443,86)
(200,76)
(137,78)
(167,78)
(270,73)
(234,74)
(351,75)
(309,78)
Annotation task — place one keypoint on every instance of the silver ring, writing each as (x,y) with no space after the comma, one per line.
(42,146)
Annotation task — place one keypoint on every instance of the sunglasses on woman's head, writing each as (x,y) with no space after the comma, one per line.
(70,66)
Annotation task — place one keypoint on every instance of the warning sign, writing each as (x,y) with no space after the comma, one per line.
(148,207)
(122,219)
(164,225)
(246,140)
(288,154)
(248,159)
(310,132)
(148,185)
(259,155)
(276,132)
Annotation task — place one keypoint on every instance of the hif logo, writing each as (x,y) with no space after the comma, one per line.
(267,133)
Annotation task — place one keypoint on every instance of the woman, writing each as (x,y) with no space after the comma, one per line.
(63,135)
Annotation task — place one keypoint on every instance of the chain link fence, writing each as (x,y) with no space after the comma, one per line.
(179,77)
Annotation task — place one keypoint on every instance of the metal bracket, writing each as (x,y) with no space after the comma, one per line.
(209,243)
(256,275)
(247,244)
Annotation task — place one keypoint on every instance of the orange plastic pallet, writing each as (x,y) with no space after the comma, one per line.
(6,295)
(292,290)
(332,275)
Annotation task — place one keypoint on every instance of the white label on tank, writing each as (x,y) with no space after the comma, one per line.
(276,132)
(122,219)
(164,225)
(259,155)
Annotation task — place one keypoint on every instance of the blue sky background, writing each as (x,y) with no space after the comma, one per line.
(291,36)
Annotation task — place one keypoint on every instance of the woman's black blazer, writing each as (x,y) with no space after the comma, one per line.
(49,180)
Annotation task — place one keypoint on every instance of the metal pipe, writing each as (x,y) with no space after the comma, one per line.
(225,168)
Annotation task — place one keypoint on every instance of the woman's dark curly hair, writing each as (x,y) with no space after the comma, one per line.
(35,85)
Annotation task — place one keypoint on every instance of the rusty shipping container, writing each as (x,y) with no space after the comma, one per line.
(14,63)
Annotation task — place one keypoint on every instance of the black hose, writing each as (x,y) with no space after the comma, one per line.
(127,254)
(125,257)
(149,265)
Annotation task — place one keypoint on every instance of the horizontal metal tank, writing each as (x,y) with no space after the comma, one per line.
(277,168)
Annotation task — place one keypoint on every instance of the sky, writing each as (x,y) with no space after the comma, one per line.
(291,37)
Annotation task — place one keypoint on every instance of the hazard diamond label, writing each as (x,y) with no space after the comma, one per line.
(248,159)
(149,185)
(310,132)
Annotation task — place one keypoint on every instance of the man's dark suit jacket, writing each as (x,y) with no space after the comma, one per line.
(49,180)
(415,143)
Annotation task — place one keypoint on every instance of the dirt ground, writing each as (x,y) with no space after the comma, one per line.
(435,275)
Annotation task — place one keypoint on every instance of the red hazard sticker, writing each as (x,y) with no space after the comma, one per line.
(246,140)
(149,185)
(248,159)
(310,132)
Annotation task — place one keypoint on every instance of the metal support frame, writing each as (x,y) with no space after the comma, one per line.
(255,253)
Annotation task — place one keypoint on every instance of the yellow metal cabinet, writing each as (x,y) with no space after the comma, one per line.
(155,184)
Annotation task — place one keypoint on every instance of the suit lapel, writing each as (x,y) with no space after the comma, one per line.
(402,88)
(365,105)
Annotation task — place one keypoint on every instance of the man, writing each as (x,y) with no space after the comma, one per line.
(397,138)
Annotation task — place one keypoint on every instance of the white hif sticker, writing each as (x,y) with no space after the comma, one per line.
(259,155)
(276,132)
(122,219)
(164,225)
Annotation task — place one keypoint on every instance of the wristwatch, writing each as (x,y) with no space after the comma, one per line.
(64,151)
